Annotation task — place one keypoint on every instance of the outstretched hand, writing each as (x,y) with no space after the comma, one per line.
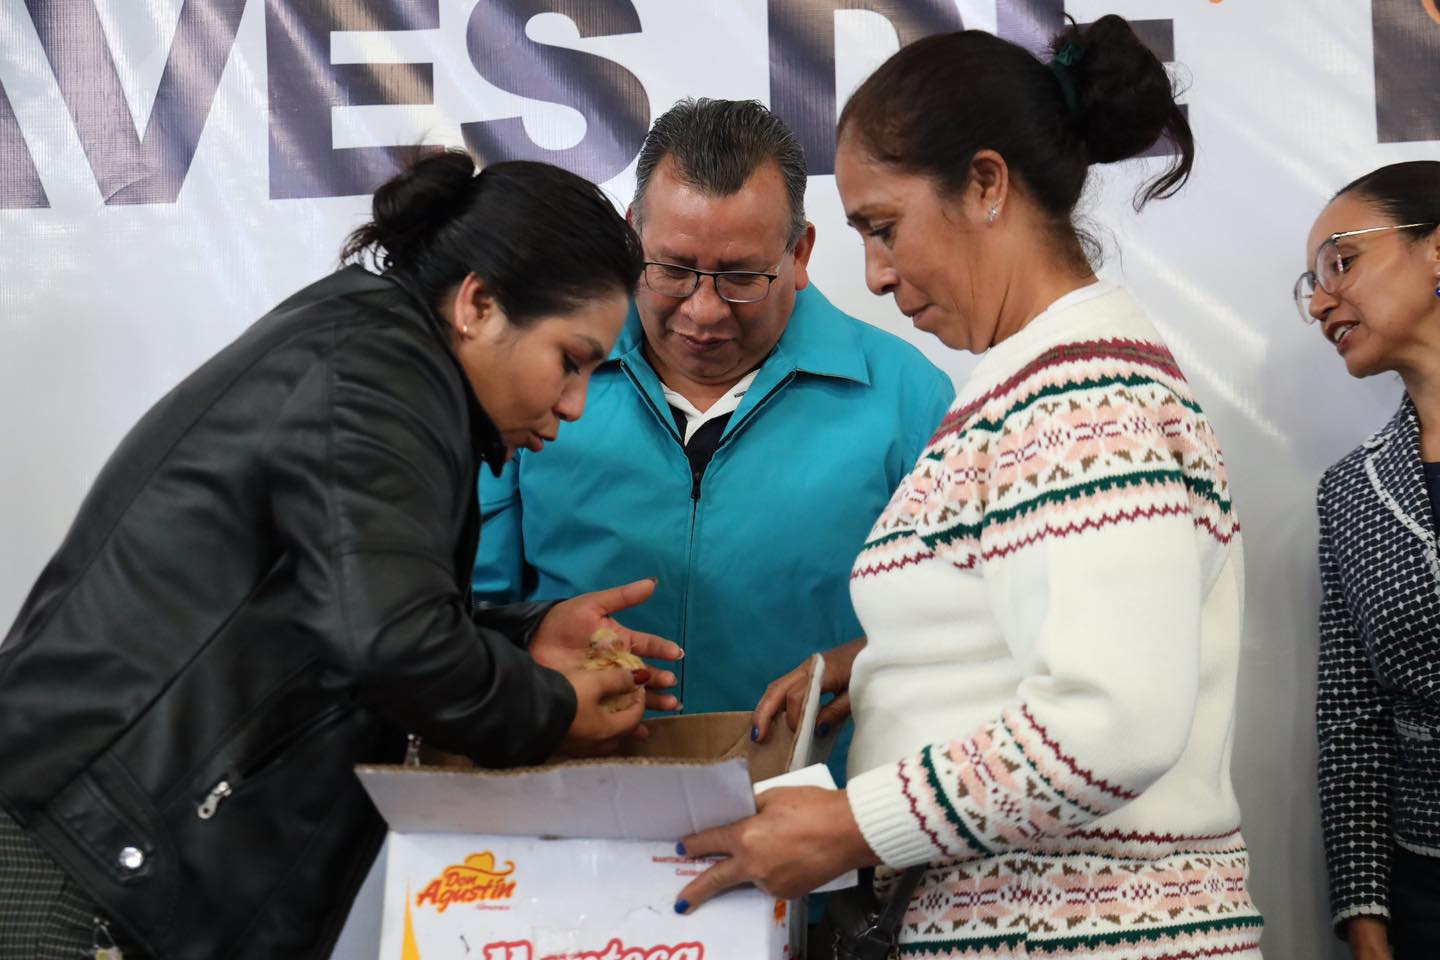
(563,637)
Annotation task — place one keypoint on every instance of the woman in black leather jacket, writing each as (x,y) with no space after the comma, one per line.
(1373,289)
(269,583)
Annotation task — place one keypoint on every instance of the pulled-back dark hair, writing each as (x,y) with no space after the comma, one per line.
(541,238)
(1405,192)
(940,100)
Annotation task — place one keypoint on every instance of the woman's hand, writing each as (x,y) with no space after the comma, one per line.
(596,731)
(789,691)
(563,637)
(800,838)
(1369,938)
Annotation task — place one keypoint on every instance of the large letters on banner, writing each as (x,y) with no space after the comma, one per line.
(305,87)
(611,98)
(802,61)
(20,184)
(1407,69)
(127,168)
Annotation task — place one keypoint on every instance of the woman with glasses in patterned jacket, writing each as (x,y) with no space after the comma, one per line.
(1374,291)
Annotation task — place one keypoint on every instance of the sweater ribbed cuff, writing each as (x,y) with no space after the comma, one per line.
(1378,910)
(884,814)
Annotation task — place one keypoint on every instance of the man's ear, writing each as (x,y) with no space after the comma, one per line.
(803,248)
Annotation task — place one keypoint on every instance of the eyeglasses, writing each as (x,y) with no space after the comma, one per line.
(734,286)
(1331,267)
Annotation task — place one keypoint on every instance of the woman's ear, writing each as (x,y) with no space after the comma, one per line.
(474,312)
(989,187)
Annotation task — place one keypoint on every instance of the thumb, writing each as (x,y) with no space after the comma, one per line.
(622,597)
(615,681)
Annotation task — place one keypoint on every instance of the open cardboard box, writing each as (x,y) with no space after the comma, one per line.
(576,859)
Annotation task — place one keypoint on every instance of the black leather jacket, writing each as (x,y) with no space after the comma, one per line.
(268,583)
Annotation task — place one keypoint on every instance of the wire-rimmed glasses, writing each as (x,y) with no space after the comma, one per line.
(1331,266)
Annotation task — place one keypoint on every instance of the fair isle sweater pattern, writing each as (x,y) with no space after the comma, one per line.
(1086,436)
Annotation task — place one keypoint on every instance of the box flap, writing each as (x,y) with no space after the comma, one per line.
(602,800)
(692,773)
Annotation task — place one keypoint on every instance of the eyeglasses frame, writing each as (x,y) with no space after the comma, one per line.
(1302,301)
(714,276)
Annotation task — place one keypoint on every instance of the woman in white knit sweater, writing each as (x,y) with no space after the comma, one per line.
(1044,703)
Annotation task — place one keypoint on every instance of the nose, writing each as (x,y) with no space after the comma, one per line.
(1322,302)
(572,399)
(880,274)
(705,307)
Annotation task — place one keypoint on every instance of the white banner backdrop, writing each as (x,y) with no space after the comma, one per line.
(145,222)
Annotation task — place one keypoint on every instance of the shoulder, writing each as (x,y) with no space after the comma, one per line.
(1390,440)
(887,356)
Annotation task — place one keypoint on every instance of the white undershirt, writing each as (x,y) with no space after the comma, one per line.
(696,418)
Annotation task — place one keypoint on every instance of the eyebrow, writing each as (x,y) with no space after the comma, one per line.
(754,264)
(597,351)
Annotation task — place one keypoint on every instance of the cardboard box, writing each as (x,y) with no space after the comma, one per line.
(576,859)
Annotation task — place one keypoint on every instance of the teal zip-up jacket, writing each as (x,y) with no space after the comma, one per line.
(753,559)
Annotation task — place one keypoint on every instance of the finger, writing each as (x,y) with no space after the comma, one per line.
(832,715)
(769,705)
(649,645)
(795,695)
(615,680)
(661,680)
(623,596)
(714,881)
(795,703)
(663,702)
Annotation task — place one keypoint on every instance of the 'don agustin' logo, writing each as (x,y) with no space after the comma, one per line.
(478,879)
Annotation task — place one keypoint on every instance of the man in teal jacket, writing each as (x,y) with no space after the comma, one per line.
(741,438)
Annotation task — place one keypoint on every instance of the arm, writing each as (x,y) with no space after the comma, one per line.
(369,466)
(499,574)
(1356,734)
(1095,577)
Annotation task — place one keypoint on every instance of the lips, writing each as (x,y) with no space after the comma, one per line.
(1338,333)
(702,345)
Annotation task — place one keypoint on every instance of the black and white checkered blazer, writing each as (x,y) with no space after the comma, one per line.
(1378,705)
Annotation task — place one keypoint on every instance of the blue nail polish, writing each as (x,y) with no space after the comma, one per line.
(682,906)
(823,730)
(754,734)
(680,850)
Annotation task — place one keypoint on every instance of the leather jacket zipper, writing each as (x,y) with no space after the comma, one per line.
(257,764)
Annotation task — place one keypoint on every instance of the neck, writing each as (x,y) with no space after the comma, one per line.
(1031,291)
(702,394)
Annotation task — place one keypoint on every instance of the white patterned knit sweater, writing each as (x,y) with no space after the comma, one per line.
(1044,709)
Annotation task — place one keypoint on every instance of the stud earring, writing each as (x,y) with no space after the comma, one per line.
(994,212)
(1437,289)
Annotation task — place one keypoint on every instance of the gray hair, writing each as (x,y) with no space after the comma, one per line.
(717,146)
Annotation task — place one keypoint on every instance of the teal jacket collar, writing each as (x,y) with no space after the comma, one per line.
(816,341)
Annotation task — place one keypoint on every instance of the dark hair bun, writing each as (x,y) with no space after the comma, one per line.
(410,208)
(1124,98)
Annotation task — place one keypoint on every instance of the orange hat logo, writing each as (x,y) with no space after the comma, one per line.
(476,880)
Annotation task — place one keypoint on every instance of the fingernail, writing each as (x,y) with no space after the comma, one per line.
(682,906)
(754,734)
(642,677)
(680,852)
(823,730)
(655,580)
